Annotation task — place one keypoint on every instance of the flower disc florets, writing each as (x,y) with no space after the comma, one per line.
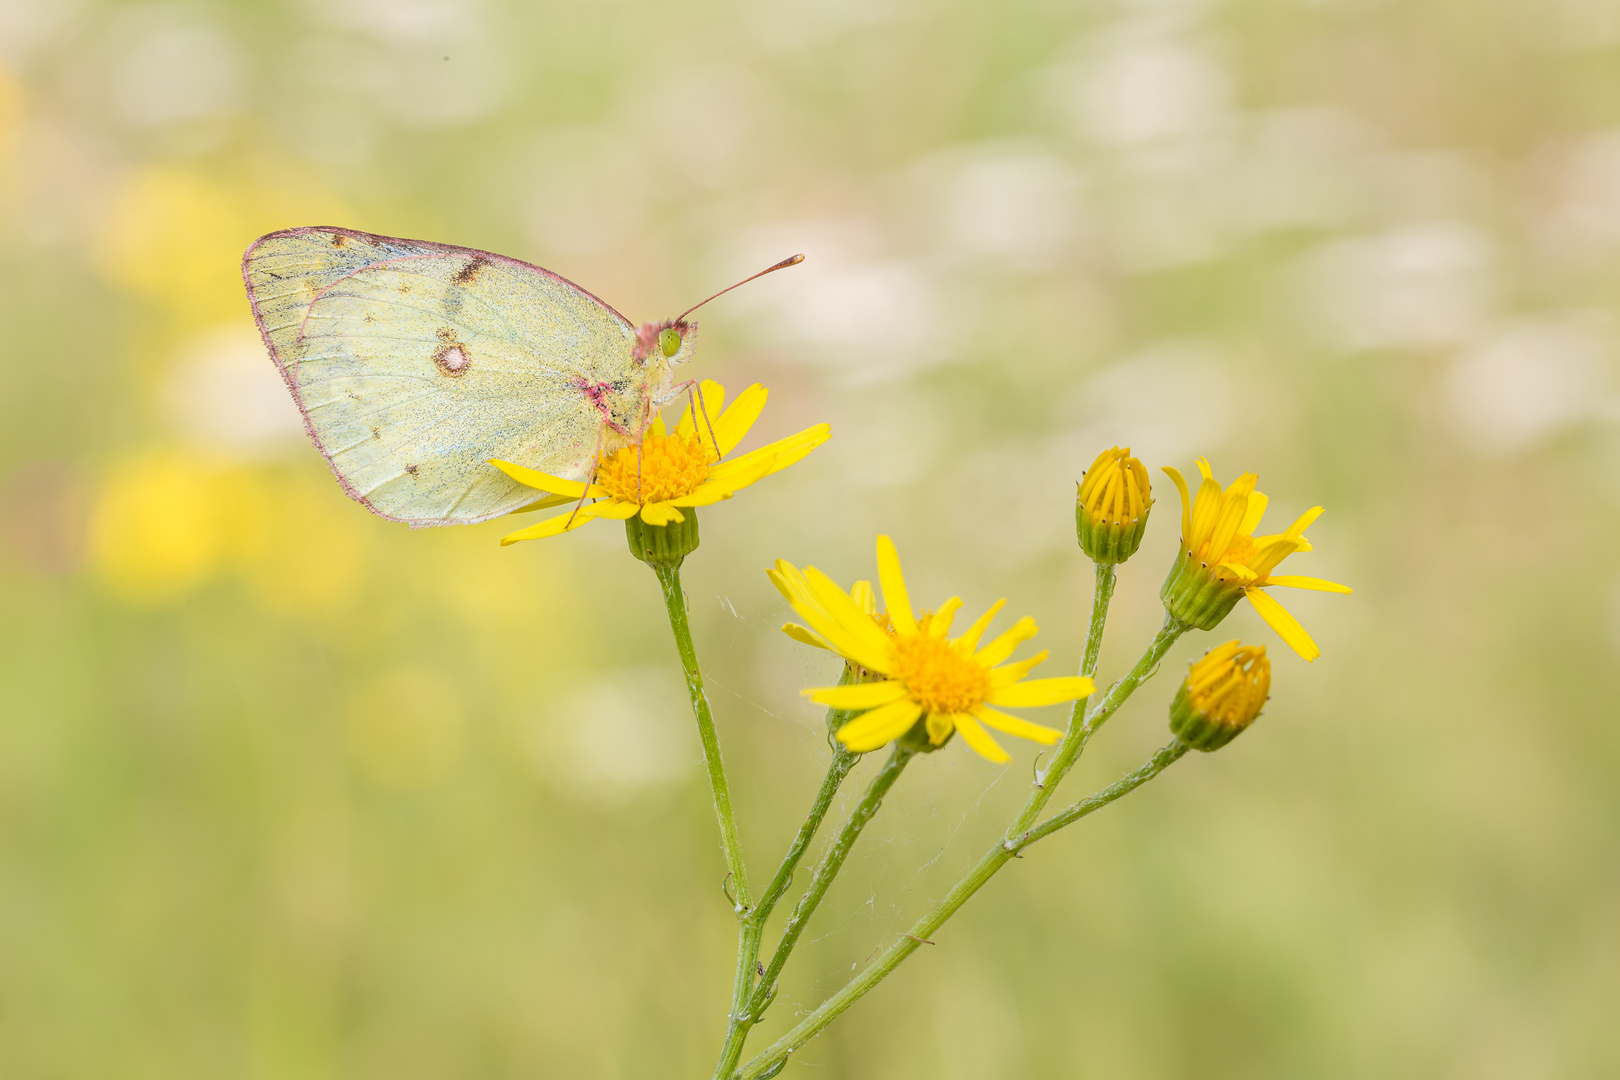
(669,466)
(937,677)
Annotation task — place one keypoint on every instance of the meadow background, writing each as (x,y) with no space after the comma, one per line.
(287,791)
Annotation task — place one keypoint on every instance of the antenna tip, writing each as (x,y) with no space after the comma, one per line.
(796,260)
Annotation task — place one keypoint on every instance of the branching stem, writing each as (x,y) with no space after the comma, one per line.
(1085,720)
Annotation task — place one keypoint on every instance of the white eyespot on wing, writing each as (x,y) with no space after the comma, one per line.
(414,363)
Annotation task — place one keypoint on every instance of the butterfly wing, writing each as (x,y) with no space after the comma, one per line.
(414,363)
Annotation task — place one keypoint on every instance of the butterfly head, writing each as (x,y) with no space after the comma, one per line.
(670,342)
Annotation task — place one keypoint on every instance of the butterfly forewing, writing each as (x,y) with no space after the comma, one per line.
(415,363)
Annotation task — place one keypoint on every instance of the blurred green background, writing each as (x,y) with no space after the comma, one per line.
(289,791)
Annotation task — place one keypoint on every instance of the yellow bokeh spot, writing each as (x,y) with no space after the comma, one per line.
(937,676)
(667,467)
(308,557)
(404,728)
(176,236)
(160,526)
(10,109)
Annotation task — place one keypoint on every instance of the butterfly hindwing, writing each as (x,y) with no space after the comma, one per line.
(415,363)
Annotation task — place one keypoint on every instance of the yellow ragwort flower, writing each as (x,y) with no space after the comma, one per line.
(949,684)
(1111,507)
(1221,696)
(1221,560)
(671,470)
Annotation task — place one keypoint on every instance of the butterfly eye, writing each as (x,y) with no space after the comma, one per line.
(669,340)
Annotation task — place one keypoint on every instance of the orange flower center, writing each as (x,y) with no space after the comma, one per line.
(667,467)
(1238,552)
(937,677)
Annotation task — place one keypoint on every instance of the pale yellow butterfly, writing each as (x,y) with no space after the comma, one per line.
(415,363)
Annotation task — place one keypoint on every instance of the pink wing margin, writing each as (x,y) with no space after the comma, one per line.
(427,249)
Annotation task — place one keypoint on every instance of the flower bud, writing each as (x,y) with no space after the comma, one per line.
(1111,510)
(1221,696)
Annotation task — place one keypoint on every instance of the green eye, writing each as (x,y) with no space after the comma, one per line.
(669,341)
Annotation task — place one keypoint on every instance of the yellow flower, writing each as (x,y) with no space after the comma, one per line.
(949,684)
(1221,696)
(671,470)
(1221,561)
(1111,509)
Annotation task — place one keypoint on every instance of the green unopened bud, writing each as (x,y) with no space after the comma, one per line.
(1221,696)
(662,545)
(1111,509)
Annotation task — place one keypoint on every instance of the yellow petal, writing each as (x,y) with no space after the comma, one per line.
(733,424)
(882,725)
(547,503)
(970,637)
(979,739)
(1207,507)
(1186,504)
(800,634)
(1286,625)
(860,696)
(865,599)
(850,630)
(1007,674)
(1265,558)
(1001,648)
(719,487)
(1294,581)
(1303,522)
(1038,692)
(554,526)
(940,624)
(661,513)
(939,727)
(1257,510)
(545,481)
(659,429)
(1018,726)
(894,587)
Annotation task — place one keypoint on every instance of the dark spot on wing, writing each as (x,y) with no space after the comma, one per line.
(376,433)
(471,270)
(369,317)
(338,239)
(452,358)
(412,469)
(405,288)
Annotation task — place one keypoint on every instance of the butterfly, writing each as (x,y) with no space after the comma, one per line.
(415,363)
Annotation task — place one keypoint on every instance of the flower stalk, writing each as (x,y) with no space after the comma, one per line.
(1019,835)
(669,577)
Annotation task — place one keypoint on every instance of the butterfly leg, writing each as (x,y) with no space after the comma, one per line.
(694,398)
(596,460)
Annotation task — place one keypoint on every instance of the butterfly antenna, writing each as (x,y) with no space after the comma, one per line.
(783,265)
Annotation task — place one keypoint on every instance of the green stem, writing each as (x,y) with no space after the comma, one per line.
(669,576)
(827,869)
(1101,594)
(1154,765)
(742,1018)
(842,762)
(1018,836)
(1074,738)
